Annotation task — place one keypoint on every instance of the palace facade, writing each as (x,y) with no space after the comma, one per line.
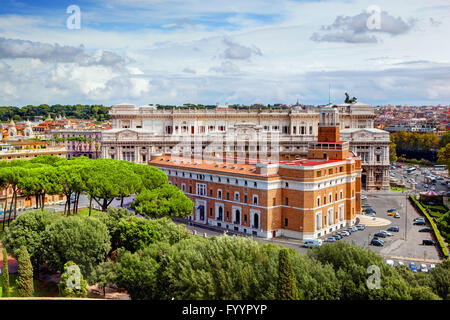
(139,132)
(304,199)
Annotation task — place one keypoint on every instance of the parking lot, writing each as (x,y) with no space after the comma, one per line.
(396,247)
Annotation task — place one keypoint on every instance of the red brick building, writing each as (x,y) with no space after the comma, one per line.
(302,199)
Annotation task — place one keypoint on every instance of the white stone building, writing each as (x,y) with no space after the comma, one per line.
(139,132)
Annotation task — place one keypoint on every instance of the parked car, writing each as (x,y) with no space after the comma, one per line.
(393,229)
(432,266)
(363,197)
(392,213)
(381,234)
(360,226)
(390,262)
(397,215)
(392,210)
(423,268)
(400,263)
(386,233)
(425,229)
(377,242)
(337,236)
(352,229)
(412,267)
(428,242)
(366,205)
(330,239)
(420,223)
(312,243)
(344,233)
(419,218)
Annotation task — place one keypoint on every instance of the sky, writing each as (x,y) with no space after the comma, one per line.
(234,51)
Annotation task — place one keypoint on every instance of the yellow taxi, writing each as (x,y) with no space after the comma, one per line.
(392,212)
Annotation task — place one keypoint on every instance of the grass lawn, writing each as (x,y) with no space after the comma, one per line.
(85,212)
(41,288)
(398,189)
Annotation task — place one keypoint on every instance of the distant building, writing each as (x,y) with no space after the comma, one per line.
(304,199)
(89,145)
(138,132)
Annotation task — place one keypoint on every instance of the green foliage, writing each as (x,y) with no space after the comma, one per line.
(24,281)
(445,139)
(72,283)
(166,200)
(350,264)
(78,111)
(5,273)
(414,141)
(444,156)
(112,217)
(136,233)
(83,240)
(27,230)
(392,150)
(440,279)
(443,225)
(286,284)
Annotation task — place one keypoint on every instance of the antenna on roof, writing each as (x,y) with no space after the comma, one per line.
(329,93)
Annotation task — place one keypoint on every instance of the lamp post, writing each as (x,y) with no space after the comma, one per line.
(406,216)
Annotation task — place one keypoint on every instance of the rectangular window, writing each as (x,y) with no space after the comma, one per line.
(287,201)
(285,222)
(255,200)
(245,198)
(228,196)
(201,189)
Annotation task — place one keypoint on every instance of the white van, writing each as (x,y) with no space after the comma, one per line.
(390,263)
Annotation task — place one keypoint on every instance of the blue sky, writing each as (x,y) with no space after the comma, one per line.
(197,51)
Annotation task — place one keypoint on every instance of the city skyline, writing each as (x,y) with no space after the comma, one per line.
(172,52)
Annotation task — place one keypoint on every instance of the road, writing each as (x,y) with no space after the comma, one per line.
(417,176)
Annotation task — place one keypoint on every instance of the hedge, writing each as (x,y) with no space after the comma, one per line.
(433,225)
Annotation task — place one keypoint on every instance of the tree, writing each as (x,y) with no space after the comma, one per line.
(445,139)
(392,150)
(72,283)
(27,230)
(5,273)
(286,283)
(24,282)
(441,279)
(444,156)
(136,233)
(166,200)
(107,179)
(83,240)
